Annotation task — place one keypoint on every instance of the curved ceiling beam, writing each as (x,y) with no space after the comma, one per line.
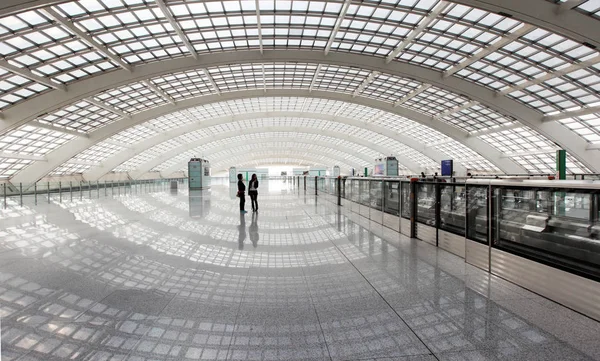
(78,145)
(214,151)
(110,163)
(541,13)
(554,131)
(99,172)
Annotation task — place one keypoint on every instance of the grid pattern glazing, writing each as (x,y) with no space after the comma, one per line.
(587,126)
(434,101)
(131,98)
(535,54)
(590,7)
(477,118)
(31,40)
(82,116)
(183,85)
(133,135)
(15,88)
(467,157)
(84,160)
(389,87)
(252,76)
(10,166)
(70,168)
(29,140)
(518,140)
(546,163)
(577,89)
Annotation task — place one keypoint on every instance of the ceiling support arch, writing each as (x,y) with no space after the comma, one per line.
(99,172)
(541,13)
(557,133)
(78,145)
(120,157)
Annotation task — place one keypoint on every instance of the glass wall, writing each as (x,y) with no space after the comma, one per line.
(477,213)
(426,200)
(558,227)
(363,192)
(391,199)
(452,208)
(406,209)
(376,194)
(355,190)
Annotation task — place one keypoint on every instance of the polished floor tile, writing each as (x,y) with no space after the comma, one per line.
(184,276)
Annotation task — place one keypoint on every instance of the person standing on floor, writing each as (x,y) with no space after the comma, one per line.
(253,192)
(241,193)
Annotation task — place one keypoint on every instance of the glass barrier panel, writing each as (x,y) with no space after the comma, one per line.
(556,227)
(376,194)
(343,188)
(452,208)
(355,190)
(363,192)
(426,203)
(477,213)
(391,199)
(406,209)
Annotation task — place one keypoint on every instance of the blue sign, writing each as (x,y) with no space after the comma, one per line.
(447,167)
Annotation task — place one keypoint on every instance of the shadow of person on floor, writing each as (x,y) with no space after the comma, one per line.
(241,231)
(253,229)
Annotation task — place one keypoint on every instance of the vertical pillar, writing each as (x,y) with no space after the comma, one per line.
(21,194)
(4,186)
(48,190)
(71,190)
(561,164)
(366,172)
(35,193)
(59,192)
(339,190)
(316,184)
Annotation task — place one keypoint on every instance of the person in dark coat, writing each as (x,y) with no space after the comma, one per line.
(241,193)
(253,192)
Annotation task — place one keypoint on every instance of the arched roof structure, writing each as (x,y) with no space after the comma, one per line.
(119,85)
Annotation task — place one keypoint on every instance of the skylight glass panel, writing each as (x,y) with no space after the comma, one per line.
(339,79)
(10,166)
(477,118)
(132,98)
(99,152)
(519,140)
(589,7)
(82,116)
(70,168)
(30,140)
(435,101)
(586,126)
(183,85)
(15,89)
(389,88)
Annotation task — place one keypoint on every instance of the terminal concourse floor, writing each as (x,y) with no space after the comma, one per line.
(173,276)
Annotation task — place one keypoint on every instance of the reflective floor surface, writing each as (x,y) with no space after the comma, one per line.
(174,276)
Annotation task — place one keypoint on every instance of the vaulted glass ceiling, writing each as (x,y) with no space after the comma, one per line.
(133,86)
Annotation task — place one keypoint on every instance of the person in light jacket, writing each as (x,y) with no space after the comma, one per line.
(253,192)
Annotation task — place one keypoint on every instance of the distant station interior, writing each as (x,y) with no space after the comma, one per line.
(348,180)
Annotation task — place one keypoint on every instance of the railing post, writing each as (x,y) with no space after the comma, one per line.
(339,191)
(48,191)
(304,183)
(21,194)
(71,189)
(80,190)
(316,184)
(98,189)
(35,193)
(4,195)
(59,192)
(105,190)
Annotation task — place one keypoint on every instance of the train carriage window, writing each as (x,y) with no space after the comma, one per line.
(405,188)
(391,199)
(477,214)
(426,203)
(376,195)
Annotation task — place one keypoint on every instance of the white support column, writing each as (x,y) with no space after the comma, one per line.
(85,37)
(25,73)
(573,113)
(314,79)
(555,74)
(258,24)
(22,156)
(159,92)
(418,30)
(171,19)
(55,128)
(211,80)
(368,80)
(105,106)
(455,110)
(337,25)
(412,94)
(490,49)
